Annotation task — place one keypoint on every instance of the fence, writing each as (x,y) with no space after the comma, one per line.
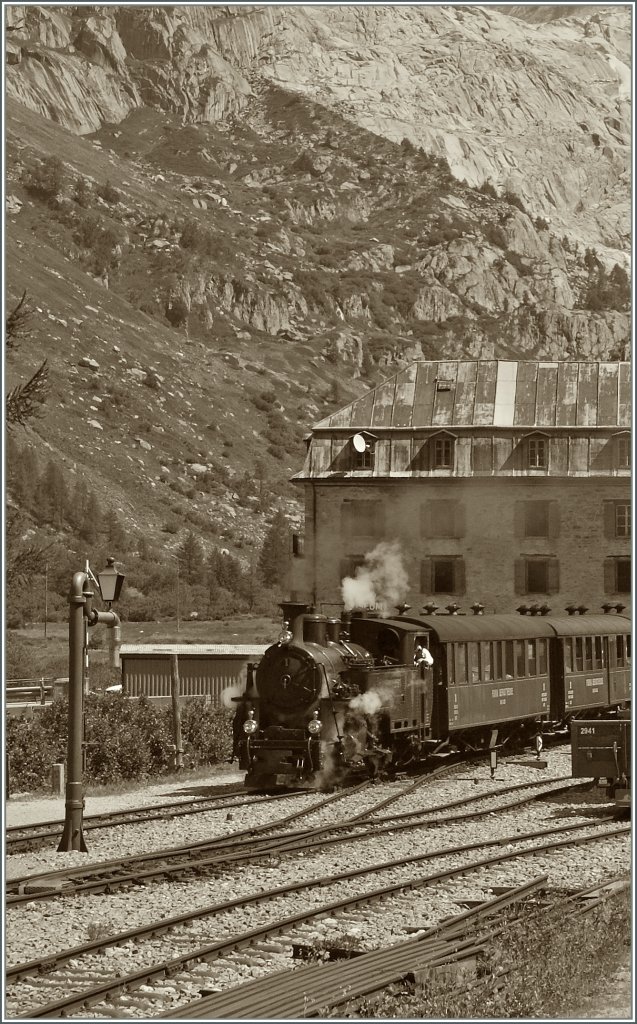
(40,690)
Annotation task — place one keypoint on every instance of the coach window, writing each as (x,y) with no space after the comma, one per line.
(498,660)
(520,662)
(531,657)
(541,657)
(579,653)
(620,652)
(487,661)
(568,654)
(628,650)
(509,661)
(461,663)
(588,653)
(598,653)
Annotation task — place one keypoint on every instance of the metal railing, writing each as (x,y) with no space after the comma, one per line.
(37,690)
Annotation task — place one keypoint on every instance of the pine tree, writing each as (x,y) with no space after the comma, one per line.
(192,558)
(274,559)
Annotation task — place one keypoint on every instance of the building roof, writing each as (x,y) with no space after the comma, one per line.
(201,650)
(495,393)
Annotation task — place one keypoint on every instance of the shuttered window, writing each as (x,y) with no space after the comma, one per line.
(617,573)
(537,519)
(536,575)
(365,519)
(442,518)
(442,575)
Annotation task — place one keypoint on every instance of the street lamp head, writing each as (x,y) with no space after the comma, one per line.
(110,581)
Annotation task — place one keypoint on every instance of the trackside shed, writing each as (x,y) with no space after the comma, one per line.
(205,670)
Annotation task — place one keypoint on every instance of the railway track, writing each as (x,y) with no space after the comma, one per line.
(30,836)
(326,986)
(264,841)
(152,981)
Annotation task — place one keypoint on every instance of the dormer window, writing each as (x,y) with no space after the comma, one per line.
(443,452)
(364,450)
(622,451)
(537,452)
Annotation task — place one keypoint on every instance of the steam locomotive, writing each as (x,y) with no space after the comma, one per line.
(335,699)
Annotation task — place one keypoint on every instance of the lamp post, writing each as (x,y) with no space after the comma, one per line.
(81,611)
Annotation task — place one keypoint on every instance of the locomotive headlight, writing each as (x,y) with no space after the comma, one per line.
(314,727)
(250,726)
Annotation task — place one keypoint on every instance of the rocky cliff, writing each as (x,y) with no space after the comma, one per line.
(532,99)
(230,221)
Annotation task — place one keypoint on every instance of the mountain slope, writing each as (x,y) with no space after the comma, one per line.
(227,261)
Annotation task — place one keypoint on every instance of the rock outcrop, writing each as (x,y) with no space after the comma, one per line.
(539,105)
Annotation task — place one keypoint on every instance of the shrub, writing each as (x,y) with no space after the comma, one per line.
(108,193)
(126,739)
(81,192)
(46,179)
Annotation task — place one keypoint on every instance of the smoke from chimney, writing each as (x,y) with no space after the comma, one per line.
(380,583)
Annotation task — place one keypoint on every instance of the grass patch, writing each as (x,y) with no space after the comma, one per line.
(541,967)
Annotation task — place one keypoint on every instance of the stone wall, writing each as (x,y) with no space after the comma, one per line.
(486,529)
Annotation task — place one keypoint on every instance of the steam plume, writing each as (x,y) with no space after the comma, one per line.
(380,583)
(228,693)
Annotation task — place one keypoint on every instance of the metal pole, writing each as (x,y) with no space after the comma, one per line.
(46,597)
(177,595)
(72,836)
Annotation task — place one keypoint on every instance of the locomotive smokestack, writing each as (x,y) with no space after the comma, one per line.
(292,613)
(402,608)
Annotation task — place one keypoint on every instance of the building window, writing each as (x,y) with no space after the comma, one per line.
(442,517)
(443,453)
(364,460)
(443,575)
(622,449)
(622,520)
(350,564)
(537,453)
(617,519)
(617,575)
(362,520)
(535,575)
(536,518)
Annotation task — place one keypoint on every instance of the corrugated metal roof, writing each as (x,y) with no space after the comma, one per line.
(491,392)
(209,650)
